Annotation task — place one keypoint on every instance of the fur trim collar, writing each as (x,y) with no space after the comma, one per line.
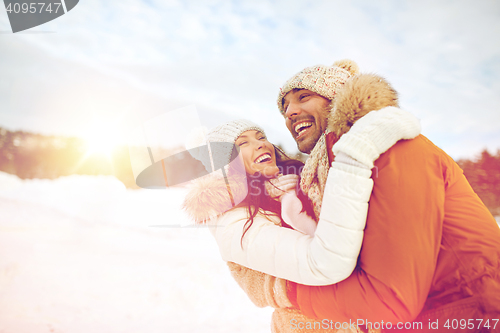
(210,196)
(359,95)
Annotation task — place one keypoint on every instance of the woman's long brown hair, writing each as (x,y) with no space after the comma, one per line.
(258,199)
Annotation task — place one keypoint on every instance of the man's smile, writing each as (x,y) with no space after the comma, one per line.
(302,127)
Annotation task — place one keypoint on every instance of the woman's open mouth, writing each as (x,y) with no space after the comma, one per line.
(264,158)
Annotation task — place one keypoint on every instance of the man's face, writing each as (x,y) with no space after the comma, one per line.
(306,117)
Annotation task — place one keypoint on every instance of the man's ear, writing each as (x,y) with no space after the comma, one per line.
(359,95)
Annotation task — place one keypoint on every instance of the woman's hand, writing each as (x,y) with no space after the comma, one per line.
(292,214)
(375,133)
(280,185)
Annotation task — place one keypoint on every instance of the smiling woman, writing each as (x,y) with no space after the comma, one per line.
(257,153)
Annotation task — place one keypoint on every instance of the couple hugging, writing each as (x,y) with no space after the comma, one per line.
(378,231)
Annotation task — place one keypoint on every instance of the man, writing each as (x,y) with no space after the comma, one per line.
(431,250)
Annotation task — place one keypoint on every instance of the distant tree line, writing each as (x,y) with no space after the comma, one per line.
(483,174)
(29,155)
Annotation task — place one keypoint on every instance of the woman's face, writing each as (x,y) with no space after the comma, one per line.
(258,153)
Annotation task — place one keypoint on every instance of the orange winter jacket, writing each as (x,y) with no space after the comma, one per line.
(429,241)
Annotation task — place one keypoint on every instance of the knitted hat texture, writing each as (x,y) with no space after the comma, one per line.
(323,80)
(227,133)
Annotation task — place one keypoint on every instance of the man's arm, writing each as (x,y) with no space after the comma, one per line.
(401,244)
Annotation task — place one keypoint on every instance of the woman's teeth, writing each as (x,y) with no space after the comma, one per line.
(262,158)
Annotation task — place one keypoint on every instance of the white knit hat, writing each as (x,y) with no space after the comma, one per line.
(221,141)
(323,80)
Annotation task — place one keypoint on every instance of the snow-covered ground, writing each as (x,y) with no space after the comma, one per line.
(83,254)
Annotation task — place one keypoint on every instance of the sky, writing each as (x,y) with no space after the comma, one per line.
(107,67)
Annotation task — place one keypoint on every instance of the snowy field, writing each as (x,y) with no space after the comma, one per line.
(83,254)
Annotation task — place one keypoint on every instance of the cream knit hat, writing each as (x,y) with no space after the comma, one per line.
(323,80)
(221,141)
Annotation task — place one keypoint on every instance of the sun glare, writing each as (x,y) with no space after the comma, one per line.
(101,145)
(102,141)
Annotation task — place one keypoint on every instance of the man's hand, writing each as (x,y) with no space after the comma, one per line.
(280,185)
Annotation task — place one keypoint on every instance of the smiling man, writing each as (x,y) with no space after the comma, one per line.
(306,117)
(431,250)
(305,100)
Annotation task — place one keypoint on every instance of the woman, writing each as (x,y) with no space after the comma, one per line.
(247,219)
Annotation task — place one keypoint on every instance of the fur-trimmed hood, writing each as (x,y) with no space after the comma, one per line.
(212,195)
(360,94)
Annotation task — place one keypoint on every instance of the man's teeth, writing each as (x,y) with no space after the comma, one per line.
(302,126)
(263,157)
